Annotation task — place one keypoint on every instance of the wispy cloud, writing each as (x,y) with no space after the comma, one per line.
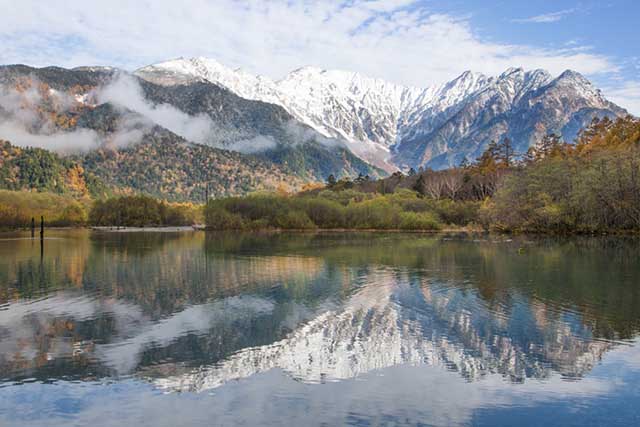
(546,17)
(399,40)
(626,94)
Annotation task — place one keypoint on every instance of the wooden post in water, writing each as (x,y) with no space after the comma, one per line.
(41,238)
(33,227)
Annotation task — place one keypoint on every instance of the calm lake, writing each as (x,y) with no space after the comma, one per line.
(195,328)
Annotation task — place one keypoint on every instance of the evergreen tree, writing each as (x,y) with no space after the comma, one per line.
(418,187)
(490,156)
(550,145)
(361,179)
(506,151)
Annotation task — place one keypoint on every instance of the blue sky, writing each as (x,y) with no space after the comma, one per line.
(406,41)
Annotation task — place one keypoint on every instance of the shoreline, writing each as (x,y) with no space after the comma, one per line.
(470,230)
(150,229)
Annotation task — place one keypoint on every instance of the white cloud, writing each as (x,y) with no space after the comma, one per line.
(546,17)
(63,142)
(627,94)
(253,145)
(24,126)
(126,92)
(395,39)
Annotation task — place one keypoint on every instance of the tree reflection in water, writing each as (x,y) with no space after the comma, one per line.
(192,311)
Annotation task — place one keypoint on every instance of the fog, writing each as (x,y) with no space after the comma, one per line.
(125,91)
(62,142)
(26,119)
(25,124)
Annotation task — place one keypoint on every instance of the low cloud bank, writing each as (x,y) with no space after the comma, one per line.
(80,140)
(28,118)
(126,92)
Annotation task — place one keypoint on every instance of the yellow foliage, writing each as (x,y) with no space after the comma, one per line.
(310,186)
(75,182)
(18,207)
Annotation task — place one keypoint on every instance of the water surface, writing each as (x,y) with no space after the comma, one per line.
(199,328)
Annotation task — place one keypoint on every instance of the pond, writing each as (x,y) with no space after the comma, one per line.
(197,328)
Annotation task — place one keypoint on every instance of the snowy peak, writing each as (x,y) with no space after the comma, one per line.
(515,83)
(570,79)
(378,119)
(456,90)
(512,72)
(575,82)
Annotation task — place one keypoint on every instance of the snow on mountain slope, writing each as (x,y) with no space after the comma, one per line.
(369,114)
(361,110)
(393,126)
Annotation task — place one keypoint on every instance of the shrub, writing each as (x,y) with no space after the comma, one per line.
(73,214)
(376,213)
(295,220)
(140,211)
(324,213)
(217,218)
(345,197)
(337,209)
(457,213)
(419,221)
(18,207)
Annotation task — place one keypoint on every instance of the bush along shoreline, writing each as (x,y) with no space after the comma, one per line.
(347,209)
(18,207)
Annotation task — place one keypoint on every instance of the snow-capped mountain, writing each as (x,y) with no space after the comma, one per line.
(361,110)
(395,126)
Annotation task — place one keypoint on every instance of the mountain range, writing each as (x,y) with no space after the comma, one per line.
(394,126)
(174,128)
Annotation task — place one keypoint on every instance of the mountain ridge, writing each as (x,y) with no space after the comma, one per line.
(394,126)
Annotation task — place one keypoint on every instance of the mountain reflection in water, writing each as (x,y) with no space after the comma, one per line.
(195,311)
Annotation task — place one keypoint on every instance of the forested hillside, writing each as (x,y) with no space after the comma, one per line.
(164,165)
(42,170)
(244,145)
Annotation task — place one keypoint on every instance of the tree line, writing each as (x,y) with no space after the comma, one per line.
(141,211)
(589,185)
(592,185)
